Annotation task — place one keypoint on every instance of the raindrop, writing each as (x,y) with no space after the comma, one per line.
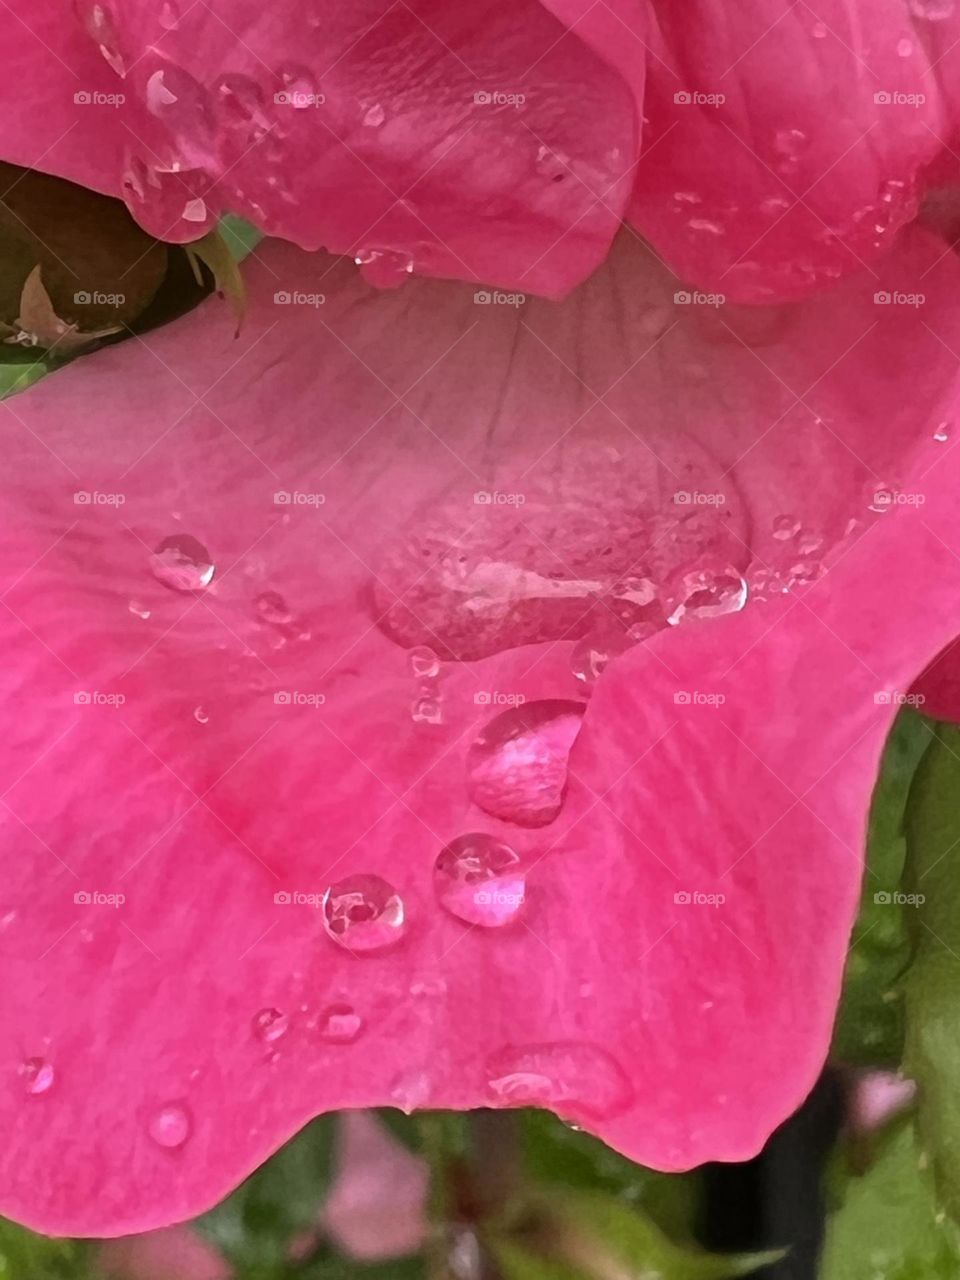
(706,224)
(517,766)
(169,15)
(182,563)
(786,527)
(570,1077)
(427,709)
(240,104)
(270,1025)
(299,85)
(904,47)
(942,433)
(38,1075)
(424,663)
(272,608)
(790,142)
(136,608)
(591,656)
(200,715)
(477,878)
(176,98)
(808,543)
(806,571)
(932,10)
(195,210)
(384,268)
(818,30)
(707,593)
(98,22)
(170,1126)
(375,117)
(339,1024)
(363,913)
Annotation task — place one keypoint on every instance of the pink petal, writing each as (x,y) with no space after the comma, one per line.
(784,144)
(495,482)
(487,145)
(172,1253)
(376,1207)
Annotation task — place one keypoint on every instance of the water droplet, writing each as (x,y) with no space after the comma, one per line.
(591,656)
(904,47)
(339,1024)
(157,195)
(375,117)
(687,197)
(806,571)
(790,143)
(818,30)
(169,15)
(240,104)
(272,608)
(573,1078)
(427,709)
(384,268)
(807,543)
(38,1075)
(171,1125)
(706,224)
(200,715)
(706,593)
(477,878)
(136,608)
(517,766)
(942,433)
(786,527)
(424,663)
(299,86)
(363,913)
(774,206)
(270,1025)
(932,10)
(99,24)
(178,100)
(195,210)
(182,563)
(410,1090)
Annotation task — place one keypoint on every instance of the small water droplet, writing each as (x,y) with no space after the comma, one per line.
(477,878)
(591,656)
(942,433)
(299,86)
(709,225)
(410,1090)
(272,608)
(182,563)
(170,1125)
(363,913)
(517,766)
(570,1077)
(904,47)
(99,23)
(339,1024)
(807,543)
(270,1025)
(384,268)
(38,1075)
(706,593)
(786,527)
(427,709)
(200,715)
(195,210)
(375,117)
(424,663)
(932,10)
(818,30)
(136,608)
(790,142)
(806,571)
(169,15)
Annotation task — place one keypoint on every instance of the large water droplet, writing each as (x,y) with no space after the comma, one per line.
(573,1078)
(240,105)
(477,878)
(363,913)
(182,563)
(339,1024)
(269,1025)
(170,1125)
(705,593)
(38,1075)
(384,268)
(517,766)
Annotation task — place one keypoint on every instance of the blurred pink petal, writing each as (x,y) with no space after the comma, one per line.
(877,1098)
(172,1253)
(318,566)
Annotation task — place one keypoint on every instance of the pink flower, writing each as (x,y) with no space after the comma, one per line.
(306,803)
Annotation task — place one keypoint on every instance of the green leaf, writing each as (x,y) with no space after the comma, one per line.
(19,376)
(518,1263)
(241,237)
(870,1028)
(23,1255)
(933,981)
(256,1224)
(215,253)
(888,1223)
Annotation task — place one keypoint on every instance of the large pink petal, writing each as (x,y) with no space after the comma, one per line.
(784,142)
(180,1035)
(486,144)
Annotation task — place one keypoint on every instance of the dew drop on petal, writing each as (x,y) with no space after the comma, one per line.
(790,142)
(942,433)
(269,1025)
(384,268)
(299,84)
(99,24)
(339,1024)
(932,10)
(517,766)
(38,1075)
(195,210)
(375,116)
(272,608)
(478,879)
(424,663)
(706,593)
(363,913)
(785,527)
(590,656)
(904,47)
(809,542)
(818,30)
(136,608)
(182,563)
(574,1078)
(427,709)
(170,1125)
(201,715)
(176,98)
(169,15)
